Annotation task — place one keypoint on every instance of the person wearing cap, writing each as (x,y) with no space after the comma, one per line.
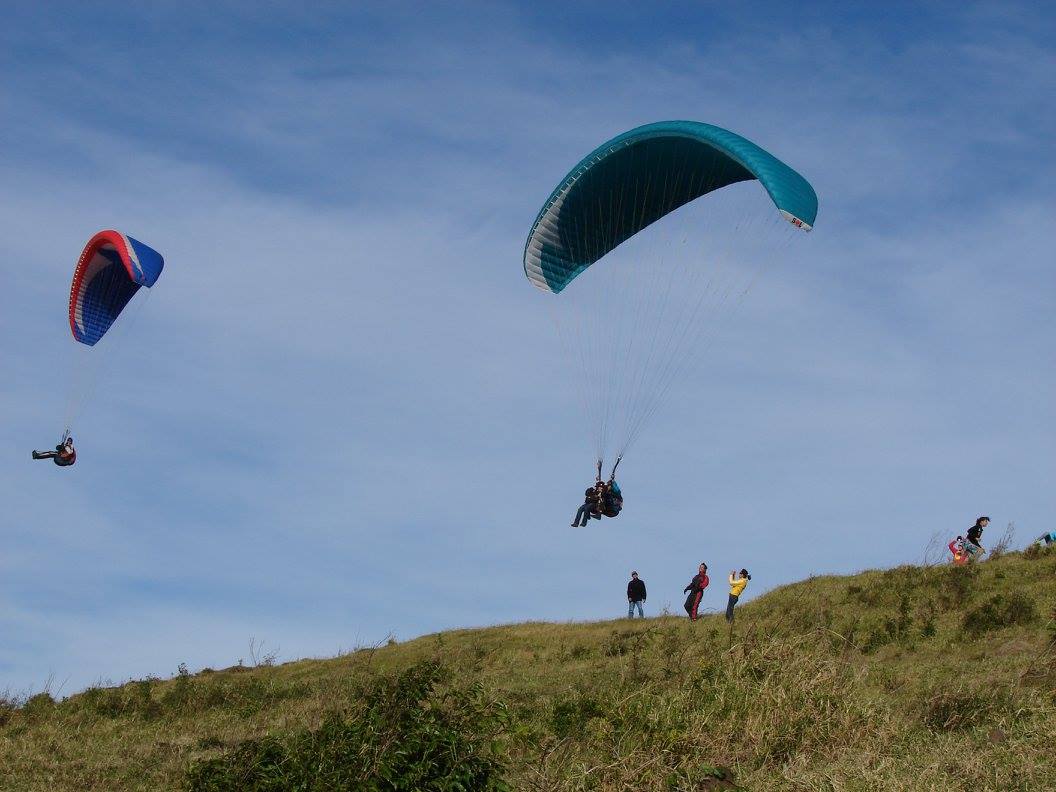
(635,595)
(737,584)
(695,589)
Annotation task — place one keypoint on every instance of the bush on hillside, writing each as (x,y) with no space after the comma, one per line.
(965,707)
(1037,550)
(866,596)
(407,733)
(1001,610)
(8,707)
(572,714)
(928,615)
(133,699)
(40,704)
(957,585)
(1000,547)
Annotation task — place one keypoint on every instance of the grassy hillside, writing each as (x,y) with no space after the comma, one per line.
(912,678)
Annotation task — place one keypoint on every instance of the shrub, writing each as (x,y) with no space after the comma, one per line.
(873,640)
(956,586)
(1037,550)
(999,611)
(406,734)
(927,619)
(865,596)
(135,698)
(571,715)
(898,628)
(8,707)
(1000,547)
(177,698)
(40,704)
(962,709)
(578,652)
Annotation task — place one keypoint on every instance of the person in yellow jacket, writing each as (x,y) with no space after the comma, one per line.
(737,584)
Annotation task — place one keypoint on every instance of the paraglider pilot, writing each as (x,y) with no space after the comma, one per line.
(611,498)
(695,589)
(64,454)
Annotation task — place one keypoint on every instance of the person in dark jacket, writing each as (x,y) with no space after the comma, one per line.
(635,595)
(975,534)
(695,590)
(64,454)
(591,506)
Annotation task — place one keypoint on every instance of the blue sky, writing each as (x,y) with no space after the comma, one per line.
(343,412)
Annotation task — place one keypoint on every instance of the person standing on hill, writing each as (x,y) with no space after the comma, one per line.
(695,589)
(975,534)
(737,585)
(635,595)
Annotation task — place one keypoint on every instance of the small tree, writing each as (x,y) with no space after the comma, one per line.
(1001,545)
(936,551)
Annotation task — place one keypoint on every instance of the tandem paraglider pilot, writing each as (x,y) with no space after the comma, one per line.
(604,498)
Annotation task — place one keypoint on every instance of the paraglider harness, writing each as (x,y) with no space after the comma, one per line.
(611,501)
(66,456)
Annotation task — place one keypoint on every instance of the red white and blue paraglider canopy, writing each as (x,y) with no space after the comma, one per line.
(109,272)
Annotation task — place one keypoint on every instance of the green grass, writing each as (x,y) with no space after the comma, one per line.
(911,678)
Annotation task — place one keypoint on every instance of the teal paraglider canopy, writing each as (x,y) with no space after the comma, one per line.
(640,176)
(675,267)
